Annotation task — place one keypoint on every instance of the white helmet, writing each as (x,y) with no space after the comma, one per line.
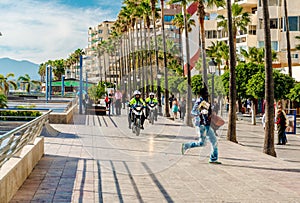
(151,94)
(136,92)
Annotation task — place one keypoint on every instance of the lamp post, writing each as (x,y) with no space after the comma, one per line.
(50,88)
(63,85)
(80,85)
(47,85)
(212,70)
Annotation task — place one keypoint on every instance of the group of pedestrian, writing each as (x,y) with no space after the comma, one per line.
(114,101)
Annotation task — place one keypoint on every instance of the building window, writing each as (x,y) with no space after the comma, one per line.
(254,10)
(293,23)
(274,45)
(274,23)
(211,34)
(168,18)
(261,25)
(252,30)
(100,31)
(261,44)
(294,56)
(273,3)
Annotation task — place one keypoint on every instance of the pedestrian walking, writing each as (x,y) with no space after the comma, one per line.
(281,126)
(175,108)
(171,100)
(202,112)
(182,108)
(118,104)
(263,120)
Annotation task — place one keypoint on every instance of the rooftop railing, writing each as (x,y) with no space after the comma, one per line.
(12,142)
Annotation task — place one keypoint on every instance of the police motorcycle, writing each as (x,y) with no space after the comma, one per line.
(137,113)
(152,108)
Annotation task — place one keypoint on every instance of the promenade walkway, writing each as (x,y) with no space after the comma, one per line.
(98,159)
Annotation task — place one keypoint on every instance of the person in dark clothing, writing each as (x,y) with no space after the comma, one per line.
(281,126)
(171,100)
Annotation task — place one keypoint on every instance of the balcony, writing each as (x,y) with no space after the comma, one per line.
(246,3)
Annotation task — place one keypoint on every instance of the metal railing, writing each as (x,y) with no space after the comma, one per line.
(12,142)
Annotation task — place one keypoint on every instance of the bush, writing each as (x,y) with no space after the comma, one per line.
(11,115)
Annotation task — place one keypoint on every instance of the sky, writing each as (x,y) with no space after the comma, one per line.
(42,30)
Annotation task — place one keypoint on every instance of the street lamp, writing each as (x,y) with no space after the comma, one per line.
(62,85)
(212,65)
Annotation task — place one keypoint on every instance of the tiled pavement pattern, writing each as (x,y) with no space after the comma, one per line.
(98,159)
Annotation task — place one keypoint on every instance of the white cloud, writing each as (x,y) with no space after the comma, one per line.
(39,30)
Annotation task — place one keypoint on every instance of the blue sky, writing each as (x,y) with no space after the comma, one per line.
(39,30)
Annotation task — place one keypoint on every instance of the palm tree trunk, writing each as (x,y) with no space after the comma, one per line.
(145,65)
(156,57)
(167,108)
(181,51)
(269,84)
(231,133)
(201,14)
(133,59)
(188,117)
(150,60)
(288,43)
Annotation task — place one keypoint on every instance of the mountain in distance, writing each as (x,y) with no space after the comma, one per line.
(19,68)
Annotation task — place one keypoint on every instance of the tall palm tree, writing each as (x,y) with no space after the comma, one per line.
(288,43)
(231,133)
(240,21)
(28,82)
(42,71)
(153,11)
(167,107)
(201,16)
(188,118)
(178,21)
(5,82)
(269,84)
(218,50)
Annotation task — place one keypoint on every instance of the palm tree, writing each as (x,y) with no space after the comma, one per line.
(256,55)
(188,118)
(4,83)
(240,21)
(153,11)
(28,82)
(269,84)
(3,100)
(201,16)
(178,21)
(231,133)
(288,43)
(218,51)
(42,71)
(167,107)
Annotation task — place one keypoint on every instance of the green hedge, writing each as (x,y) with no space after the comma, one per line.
(13,115)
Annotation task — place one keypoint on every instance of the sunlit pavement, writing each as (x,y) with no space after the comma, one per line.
(98,159)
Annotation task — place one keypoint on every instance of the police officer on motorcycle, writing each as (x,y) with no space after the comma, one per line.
(136,100)
(151,100)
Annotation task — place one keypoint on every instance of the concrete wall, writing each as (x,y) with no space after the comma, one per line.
(16,170)
(63,118)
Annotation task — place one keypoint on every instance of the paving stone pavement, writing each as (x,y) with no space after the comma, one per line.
(98,159)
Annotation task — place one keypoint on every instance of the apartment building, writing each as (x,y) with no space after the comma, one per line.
(254,37)
(96,35)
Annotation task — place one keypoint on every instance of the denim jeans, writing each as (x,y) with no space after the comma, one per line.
(205,132)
